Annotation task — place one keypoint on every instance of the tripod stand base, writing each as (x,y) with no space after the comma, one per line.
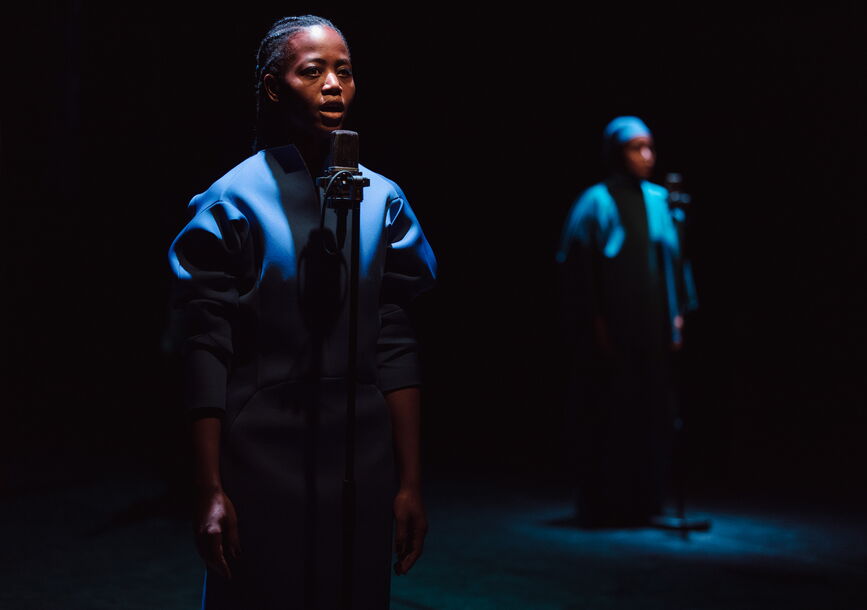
(680,524)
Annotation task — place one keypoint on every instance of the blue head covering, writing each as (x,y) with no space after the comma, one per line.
(621,130)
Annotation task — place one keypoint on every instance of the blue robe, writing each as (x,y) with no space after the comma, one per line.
(594,223)
(625,284)
(265,318)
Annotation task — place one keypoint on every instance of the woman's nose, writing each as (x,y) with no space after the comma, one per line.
(332,83)
(647,153)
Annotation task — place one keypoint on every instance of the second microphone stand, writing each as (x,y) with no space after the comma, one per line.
(679,203)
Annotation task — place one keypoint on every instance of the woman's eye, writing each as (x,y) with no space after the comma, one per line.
(344,72)
(311,71)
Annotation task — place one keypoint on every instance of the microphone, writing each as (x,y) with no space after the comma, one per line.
(676,197)
(343,182)
(344,150)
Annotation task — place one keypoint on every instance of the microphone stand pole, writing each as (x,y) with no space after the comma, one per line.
(679,523)
(349,491)
(343,192)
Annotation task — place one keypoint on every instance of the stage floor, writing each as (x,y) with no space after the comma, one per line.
(104,533)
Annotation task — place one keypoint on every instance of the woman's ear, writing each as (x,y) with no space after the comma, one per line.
(272,87)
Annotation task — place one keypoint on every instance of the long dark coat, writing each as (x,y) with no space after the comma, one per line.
(265,310)
(624,285)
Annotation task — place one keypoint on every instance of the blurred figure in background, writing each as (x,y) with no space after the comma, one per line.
(623,302)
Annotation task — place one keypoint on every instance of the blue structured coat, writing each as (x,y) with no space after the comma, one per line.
(265,317)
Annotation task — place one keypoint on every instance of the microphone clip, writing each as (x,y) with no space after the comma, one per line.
(342,187)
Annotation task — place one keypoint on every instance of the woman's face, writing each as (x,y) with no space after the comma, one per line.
(639,157)
(316,87)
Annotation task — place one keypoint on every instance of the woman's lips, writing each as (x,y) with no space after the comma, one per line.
(331,114)
(332,108)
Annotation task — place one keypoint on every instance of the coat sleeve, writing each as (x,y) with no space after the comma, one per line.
(213,265)
(688,298)
(578,277)
(410,269)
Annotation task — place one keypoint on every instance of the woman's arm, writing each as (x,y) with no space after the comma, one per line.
(410,267)
(215,524)
(411,522)
(213,261)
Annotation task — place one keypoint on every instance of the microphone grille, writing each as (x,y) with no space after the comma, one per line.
(344,148)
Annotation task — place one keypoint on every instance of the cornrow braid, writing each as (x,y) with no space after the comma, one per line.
(271,58)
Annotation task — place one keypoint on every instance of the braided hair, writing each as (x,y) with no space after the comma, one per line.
(272,58)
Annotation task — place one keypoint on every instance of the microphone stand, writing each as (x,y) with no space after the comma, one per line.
(679,522)
(343,192)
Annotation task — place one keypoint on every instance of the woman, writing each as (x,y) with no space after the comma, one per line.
(621,263)
(262,282)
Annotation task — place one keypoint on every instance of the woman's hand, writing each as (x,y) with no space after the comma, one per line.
(410,529)
(404,405)
(216,531)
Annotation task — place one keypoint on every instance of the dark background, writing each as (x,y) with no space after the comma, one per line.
(114,117)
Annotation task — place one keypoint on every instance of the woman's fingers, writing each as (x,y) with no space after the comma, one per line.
(217,533)
(214,554)
(231,541)
(401,530)
(415,548)
(409,541)
(410,530)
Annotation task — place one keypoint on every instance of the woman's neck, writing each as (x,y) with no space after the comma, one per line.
(623,177)
(314,149)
